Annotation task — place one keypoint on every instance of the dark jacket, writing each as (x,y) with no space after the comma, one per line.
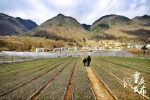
(84,60)
(89,59)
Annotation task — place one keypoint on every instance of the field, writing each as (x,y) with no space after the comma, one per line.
(66,78)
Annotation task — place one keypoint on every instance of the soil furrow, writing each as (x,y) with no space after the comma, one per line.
(26,69)
(28,81)
(144,97)
(46,65)
(69,92)
(46,85)
(100,90)
(127,67)
(129,73)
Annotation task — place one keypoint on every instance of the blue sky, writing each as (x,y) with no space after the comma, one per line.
(85,11)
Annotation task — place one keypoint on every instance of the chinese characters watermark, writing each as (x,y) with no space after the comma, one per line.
(136,84)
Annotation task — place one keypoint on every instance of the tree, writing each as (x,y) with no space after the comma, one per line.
(144,49)
(84,39)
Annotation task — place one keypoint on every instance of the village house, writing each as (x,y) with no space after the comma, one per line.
(148,46)
(39,50)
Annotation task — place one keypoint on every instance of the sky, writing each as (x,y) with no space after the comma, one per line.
(84,11)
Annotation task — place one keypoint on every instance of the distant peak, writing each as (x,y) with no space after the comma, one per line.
(146,16)
(60,14)
(143,17)
(18,18)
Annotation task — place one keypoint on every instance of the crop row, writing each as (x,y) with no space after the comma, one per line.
(35,81)
(137,64)
(112,83)
(121,74)
(82,88)
(20,78)
(26,72)
(129,71)
(57,89)
(13,68)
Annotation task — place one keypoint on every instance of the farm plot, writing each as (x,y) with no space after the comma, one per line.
(141,65)
(67,78)
(37,79)
(115,68)
(82,88)
(56,90)
(127,70)
(14,75)
(14,80)
(13,68)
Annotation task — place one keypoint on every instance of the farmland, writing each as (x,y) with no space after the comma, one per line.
(66,78)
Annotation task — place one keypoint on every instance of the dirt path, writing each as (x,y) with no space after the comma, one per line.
(69,92)
(100,91)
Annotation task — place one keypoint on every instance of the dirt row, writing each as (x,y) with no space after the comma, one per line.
(100,90)
(70,88)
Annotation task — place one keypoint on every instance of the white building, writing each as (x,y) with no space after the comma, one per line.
(148,46)
(74,48)
(39,50)
(134,46)
(86,47)
(57,49)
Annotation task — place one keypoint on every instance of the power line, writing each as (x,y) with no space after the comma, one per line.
(112,7)
(106,7)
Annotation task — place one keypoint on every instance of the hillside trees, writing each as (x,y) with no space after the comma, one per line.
(15,43)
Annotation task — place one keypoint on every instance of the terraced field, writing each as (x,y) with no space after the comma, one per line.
(66,78)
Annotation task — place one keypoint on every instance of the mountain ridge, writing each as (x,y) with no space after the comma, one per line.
(14,26)
(116,26)
(67,28)
(60,27)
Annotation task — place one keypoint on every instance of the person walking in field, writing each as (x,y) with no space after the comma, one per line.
(84,61)
(88,60)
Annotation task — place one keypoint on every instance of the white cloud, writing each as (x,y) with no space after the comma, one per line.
(143,1)
(85,11)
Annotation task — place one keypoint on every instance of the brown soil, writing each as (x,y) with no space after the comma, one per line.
(69,91)
(100,91)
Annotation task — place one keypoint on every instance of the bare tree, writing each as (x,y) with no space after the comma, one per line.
(144,49)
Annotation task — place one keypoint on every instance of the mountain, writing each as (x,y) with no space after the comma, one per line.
(142,20)
(116,26)
(86,26)
(108,21)
(13,26)
(60,28)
